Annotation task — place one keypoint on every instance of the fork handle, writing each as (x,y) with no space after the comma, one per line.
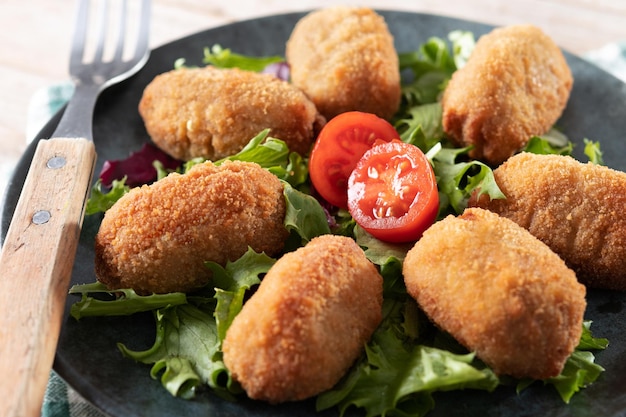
(35,268)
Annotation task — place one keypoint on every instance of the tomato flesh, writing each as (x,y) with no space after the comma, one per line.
(392,192)
(338,148)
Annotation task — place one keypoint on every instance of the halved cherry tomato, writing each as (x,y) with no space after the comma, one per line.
(339,146)
(392,192)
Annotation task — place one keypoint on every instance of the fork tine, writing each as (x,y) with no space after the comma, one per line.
(103,19)
(144,31)
(80,34)
(119,49)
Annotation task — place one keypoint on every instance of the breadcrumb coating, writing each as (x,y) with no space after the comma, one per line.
(499,291)
(344,59)
(213,113)
(515,85)
(156,238)
(576,208)
(307,323)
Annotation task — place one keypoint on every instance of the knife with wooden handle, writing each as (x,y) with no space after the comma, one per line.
(35,268)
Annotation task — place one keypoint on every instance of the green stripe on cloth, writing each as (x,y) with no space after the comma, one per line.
(62,401)
(55,400)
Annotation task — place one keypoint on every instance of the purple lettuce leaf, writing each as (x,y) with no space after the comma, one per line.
(138,168)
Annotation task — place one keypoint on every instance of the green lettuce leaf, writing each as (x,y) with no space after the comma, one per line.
(343,223)
(588,341)
(163,172)
(186,352)
(178,376)
(261,149)
(231,283)
(593,152)
(225,58)
(578,372)
(556,143)
(542,145)
(427,70)
(388,257)
(421,125)
(100,201)
(270,153)
(378,252)
(397,378)
(121,302)
(305,216)
(457,181)
(295,170)
(580,369)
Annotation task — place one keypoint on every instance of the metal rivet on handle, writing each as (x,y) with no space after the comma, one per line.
(41,217)
(56,162)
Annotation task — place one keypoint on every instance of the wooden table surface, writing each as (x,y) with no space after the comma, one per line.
(35,37)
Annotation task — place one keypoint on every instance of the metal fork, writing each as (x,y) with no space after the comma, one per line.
(40,246)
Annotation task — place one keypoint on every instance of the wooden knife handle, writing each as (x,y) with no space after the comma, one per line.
(35,268)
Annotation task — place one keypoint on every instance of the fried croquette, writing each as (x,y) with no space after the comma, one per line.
(499,291)
(156,238)
(307,323)
(576,209)
(213,113)
(344,59)
(515,84)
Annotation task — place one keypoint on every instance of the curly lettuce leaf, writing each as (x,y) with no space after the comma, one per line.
(225,58)
(421,125)
(294,170)
(177,376)
(342,223)
(428,69)
(122,302)
(100,201)
(186,352)
(580,369)
(593,152)
(457,181)
(588,341)
(388,257)
(305,216)
(396,377)
(270,153)
(261,149)
(556,143)
(541,146)
(231,283)
(378,252)
(190,328)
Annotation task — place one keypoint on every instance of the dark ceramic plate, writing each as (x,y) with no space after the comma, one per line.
(87,357)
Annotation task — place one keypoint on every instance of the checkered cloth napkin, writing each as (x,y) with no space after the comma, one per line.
(61,400)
